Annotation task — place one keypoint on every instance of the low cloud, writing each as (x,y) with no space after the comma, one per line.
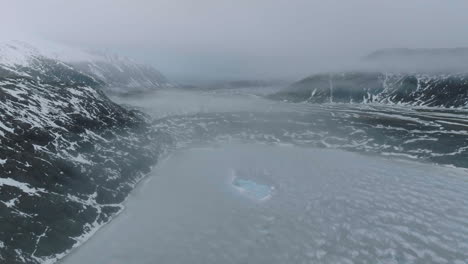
(241,39)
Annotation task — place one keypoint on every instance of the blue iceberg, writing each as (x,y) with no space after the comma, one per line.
(252,189)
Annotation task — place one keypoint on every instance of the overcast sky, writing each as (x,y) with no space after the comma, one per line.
(218,39)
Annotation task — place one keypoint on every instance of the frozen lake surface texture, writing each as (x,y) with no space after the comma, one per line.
(257,181)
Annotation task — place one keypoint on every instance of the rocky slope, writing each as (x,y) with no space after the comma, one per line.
(441,90)
(115,73)
(19,59)
(121,74)
(418,77)
(68,156)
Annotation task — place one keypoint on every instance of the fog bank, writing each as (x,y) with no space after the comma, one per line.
(241,39)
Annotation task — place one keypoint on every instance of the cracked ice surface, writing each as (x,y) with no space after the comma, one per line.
(390,205)
(358,210)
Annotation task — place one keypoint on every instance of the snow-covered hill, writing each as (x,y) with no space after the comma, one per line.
(417,89)
(114,73)
(68,155)
(417,77)
(19,59)
(121,74)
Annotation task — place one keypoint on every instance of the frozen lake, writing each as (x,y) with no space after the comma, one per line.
(257,181)
(328,207)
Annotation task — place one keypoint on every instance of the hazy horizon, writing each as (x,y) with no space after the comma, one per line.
(260,39)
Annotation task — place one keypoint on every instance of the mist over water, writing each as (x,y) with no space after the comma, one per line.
(321,206)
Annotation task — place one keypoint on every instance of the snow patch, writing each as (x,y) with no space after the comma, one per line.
(21,185)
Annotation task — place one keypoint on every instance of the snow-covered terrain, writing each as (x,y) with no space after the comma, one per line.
(413,77)
(250,179)
(260,181)
(68,156)
(121,74)
(115,73)
(413,89)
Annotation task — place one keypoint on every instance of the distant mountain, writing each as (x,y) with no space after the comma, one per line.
(419,60)
(121,74)
(441,90)
(113,73)
(418,77)
(69,156)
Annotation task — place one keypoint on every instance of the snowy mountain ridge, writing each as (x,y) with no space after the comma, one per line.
(69,156)
(449,90)
(113,72)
